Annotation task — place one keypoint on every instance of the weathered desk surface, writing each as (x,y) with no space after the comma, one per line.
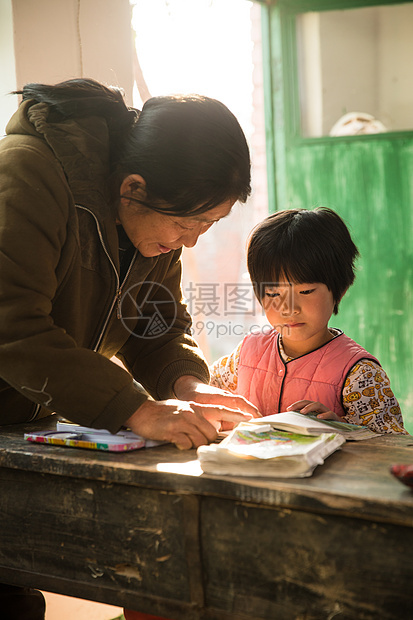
(146,530)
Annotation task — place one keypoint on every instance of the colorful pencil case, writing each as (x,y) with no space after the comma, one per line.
(92,441)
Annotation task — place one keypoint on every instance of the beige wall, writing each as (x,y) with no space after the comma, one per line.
(55,40)
(395,56)
(60,39)
(8,103)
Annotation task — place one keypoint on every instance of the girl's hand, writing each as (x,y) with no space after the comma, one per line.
(309,406)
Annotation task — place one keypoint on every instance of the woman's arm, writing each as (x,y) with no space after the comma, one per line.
(160,347)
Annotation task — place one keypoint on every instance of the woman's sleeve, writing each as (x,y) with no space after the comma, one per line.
(224,371)
(369,401)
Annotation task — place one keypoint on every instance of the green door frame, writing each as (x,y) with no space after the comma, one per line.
(281,95)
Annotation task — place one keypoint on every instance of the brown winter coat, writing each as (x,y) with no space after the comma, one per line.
(63,311)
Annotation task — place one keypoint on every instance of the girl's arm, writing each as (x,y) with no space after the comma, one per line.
(224,371)
(369,400)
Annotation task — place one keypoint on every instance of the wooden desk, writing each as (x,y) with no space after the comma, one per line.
(146,530)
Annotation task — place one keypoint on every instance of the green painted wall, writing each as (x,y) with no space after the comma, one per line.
(368,181)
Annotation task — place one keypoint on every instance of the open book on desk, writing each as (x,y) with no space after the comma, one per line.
(311,425)
(259,450)
(73,435)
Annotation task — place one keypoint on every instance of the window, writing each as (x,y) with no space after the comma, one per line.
(211,47)
(354,70)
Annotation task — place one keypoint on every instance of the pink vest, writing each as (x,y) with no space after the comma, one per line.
(271,384)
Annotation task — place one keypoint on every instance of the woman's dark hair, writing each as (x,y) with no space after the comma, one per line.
(302,246)
(190,150)
(192,153)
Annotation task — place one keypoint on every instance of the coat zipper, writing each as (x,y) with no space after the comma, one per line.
(282,386)
(283,379)
(116,299)
(120,289)
(119,285)
(35,413)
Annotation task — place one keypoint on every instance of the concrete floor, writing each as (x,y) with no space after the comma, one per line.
(67,608)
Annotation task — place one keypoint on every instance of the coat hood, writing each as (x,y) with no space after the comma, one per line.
(80,145)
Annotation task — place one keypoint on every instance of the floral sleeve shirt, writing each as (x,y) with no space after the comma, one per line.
(367,397)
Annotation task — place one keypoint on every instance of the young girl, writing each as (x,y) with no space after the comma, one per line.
(301,263)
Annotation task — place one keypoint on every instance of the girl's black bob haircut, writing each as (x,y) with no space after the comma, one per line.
(302,246)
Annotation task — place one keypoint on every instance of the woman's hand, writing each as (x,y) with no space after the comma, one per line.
(191,389)
(186,424)
(310,406)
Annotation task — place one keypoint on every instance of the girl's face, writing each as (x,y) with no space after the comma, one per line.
(300,312)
